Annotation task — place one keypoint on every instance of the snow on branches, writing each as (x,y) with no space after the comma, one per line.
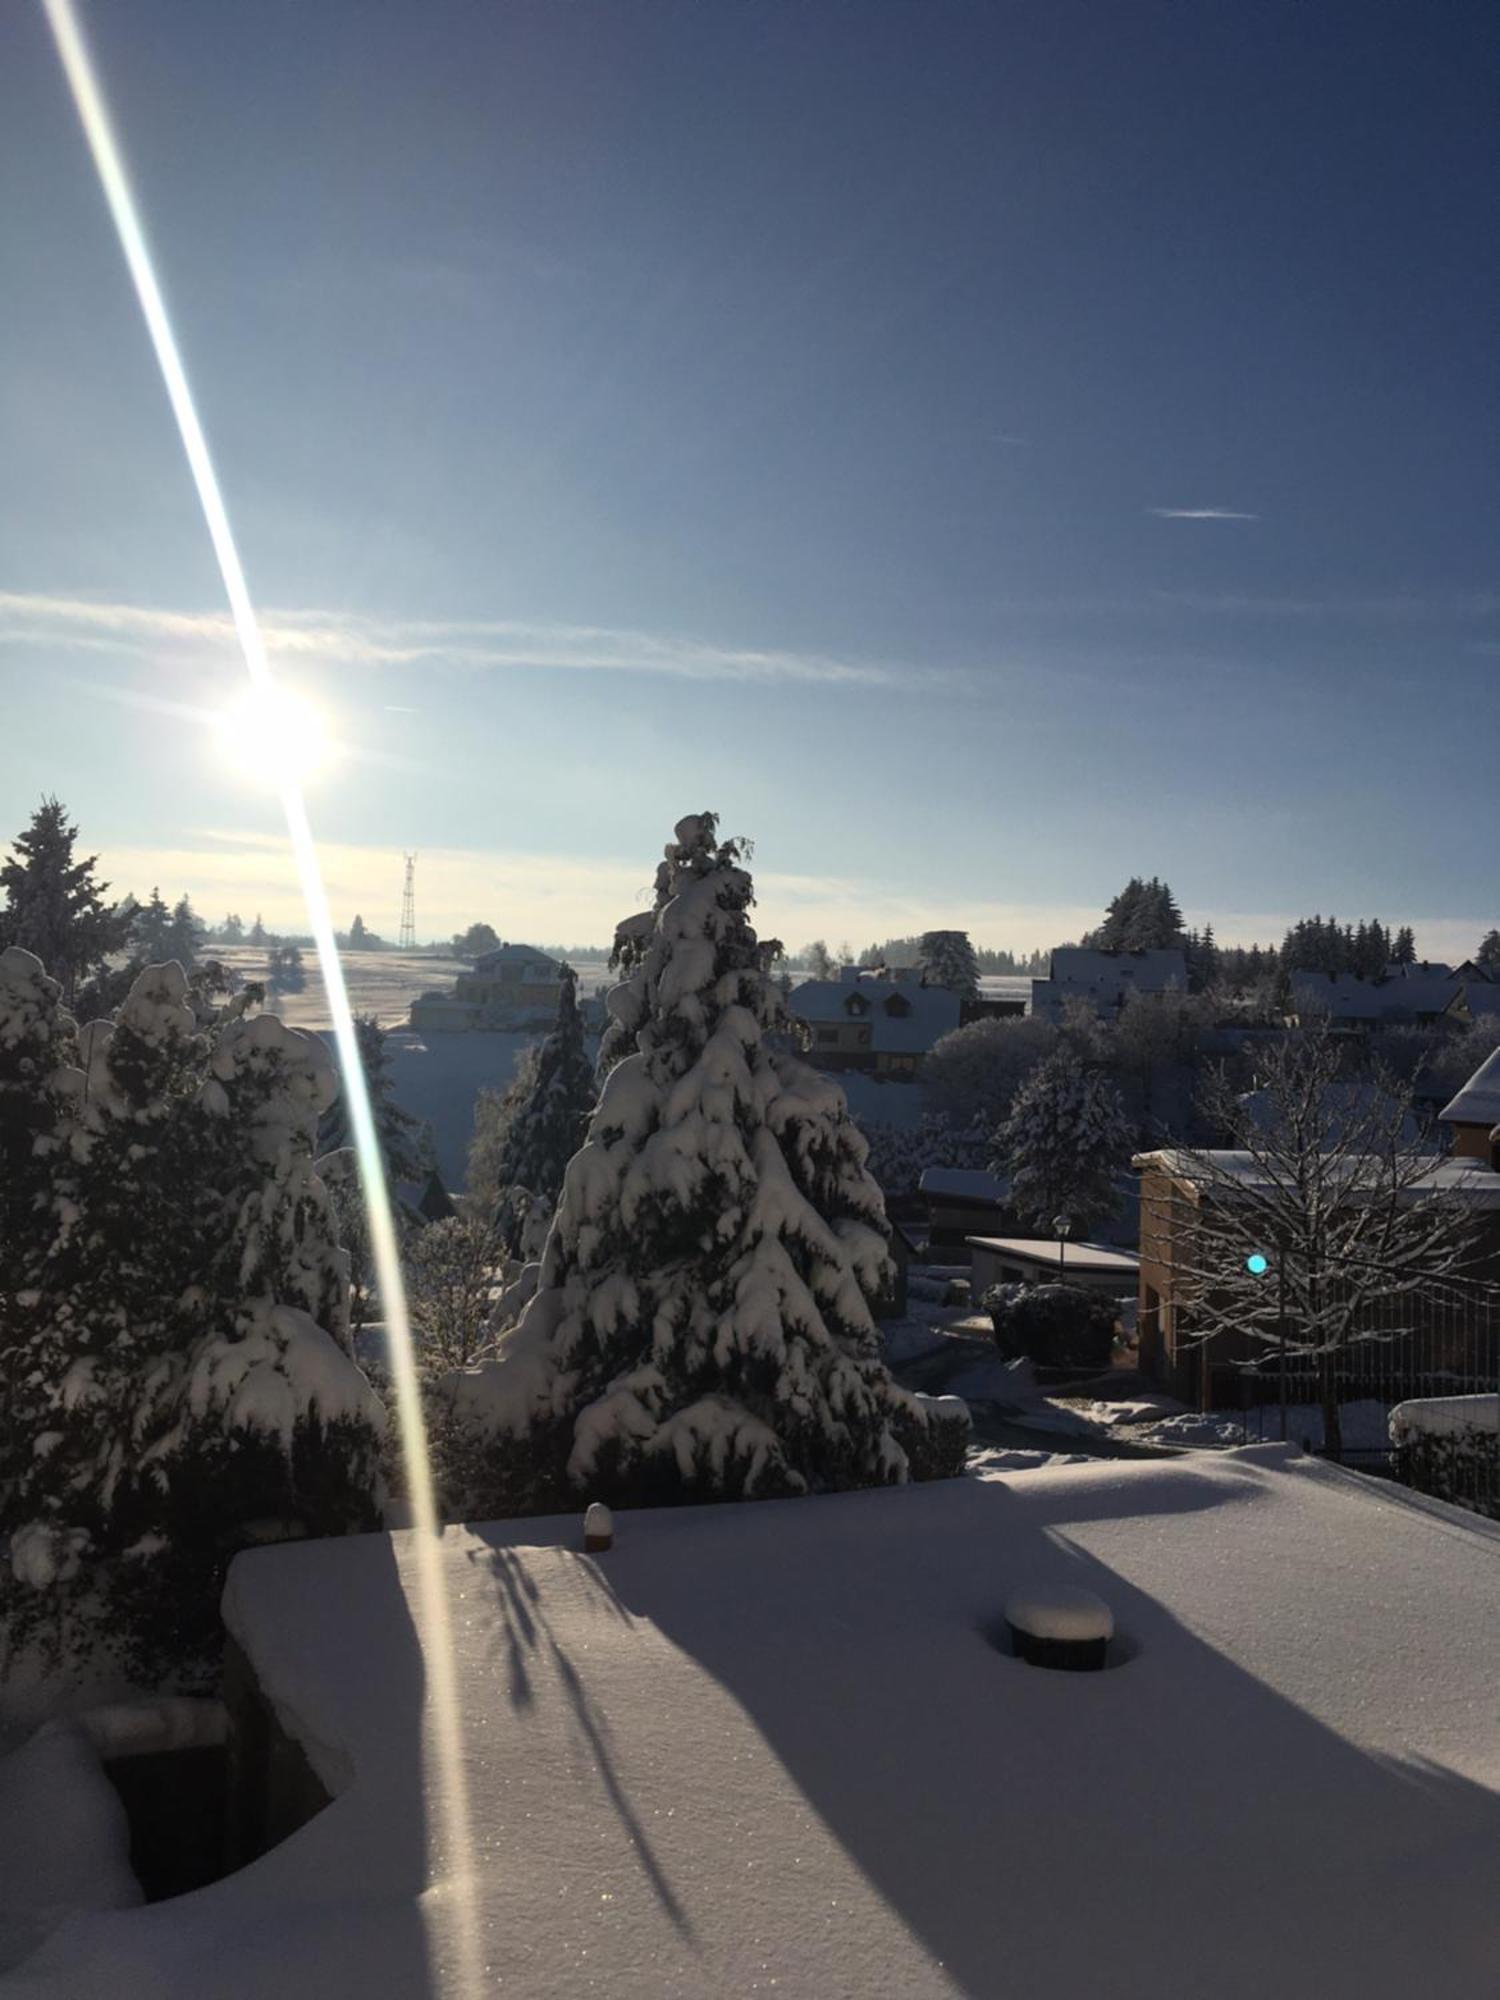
(701,1324)
(173,1309)
(1065,1141)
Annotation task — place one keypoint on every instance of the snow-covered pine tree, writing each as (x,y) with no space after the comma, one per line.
(947,960)
(185,1343)
(55,907)
(701,1325)
(553,1098)
(1064,1142)
(1488,954)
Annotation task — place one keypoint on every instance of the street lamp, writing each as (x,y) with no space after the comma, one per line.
(1062,1226)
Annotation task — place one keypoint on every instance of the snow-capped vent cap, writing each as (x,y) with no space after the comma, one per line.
(598,1529)
(1058,1625)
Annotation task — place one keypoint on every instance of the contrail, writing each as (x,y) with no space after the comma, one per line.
(432,1602)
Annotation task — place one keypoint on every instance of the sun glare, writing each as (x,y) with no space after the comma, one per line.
(270,736)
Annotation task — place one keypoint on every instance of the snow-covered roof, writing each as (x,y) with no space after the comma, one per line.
(904,1017)
(1346,997)
(1106,977)
(1478,1103)
(523,957)
(1455,1176)
(776,1748)
(1073,1257)
(964,1184)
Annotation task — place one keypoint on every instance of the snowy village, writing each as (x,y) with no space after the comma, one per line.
(919,1413)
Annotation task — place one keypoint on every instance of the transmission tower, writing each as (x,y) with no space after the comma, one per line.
(409,905)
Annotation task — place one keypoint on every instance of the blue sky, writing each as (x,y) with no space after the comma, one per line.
(983,451)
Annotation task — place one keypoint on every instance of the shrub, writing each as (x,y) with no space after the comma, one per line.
(1055,1326)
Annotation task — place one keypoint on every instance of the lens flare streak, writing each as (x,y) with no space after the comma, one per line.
(443,1716)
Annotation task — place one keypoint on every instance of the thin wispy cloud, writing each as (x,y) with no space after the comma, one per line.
(335,639)
(1200,514)
(1007,437)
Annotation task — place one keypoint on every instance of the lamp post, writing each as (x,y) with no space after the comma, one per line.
(1062,1226)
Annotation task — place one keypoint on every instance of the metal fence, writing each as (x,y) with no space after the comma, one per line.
(1442,1342)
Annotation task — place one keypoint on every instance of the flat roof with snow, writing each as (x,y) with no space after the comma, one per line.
(775,1747)
(1071,1256)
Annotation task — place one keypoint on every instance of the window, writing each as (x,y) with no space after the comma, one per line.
(824,1036)
(856,1004)
(898,1006)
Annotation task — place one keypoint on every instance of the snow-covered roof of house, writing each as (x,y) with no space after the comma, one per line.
(1456,1176)
(903,1016)
(1072,1257)
(1479,997)
(1345,996)
(1147,971)
(1478,1103)
(964,1184)
(779,1748)
(523,957)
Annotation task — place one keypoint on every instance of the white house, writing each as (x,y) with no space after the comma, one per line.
(1105,978)
(882,1021)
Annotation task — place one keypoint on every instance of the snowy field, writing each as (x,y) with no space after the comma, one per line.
(778,1748)
(382,983)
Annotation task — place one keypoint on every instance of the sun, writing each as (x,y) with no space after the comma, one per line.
(274,736)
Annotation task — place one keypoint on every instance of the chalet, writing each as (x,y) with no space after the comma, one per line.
(1105,979)
(884,1022)
(514,986)
(1173,1190)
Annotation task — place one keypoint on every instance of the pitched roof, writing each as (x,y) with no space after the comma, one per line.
(1454,1176)
(1478,1103)
(930,1011)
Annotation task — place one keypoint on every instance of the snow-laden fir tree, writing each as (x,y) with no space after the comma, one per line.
(55,906)
(700,1327)
(179,1334)
(947,960)
(548,1108)
(1064,1142)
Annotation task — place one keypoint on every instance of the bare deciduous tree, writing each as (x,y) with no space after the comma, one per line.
(1324,1224)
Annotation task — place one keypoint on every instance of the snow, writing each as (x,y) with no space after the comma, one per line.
(64,1846)
(779,1743)
(1444,1416)
(1060,1611)
(1478,1103)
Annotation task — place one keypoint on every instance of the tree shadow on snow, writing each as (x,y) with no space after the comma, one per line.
(1176,1826)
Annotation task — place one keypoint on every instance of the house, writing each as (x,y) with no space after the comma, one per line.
(791,1743)
(1207,1371)
(1475,1000)
(1473,1117)
(1105,979)
(883,1022)
(962,1200)
(514,986)
(1425,991)
(1039,1260)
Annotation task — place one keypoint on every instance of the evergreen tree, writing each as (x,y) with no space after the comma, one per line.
(1488,954)
(701,1325)
(399,1133)
(1143,917)
(180,1334)
(1063,1144)
(258,932)
(359,937)
(1404,950)
(55,906)
(184,935)
(552,1100)
(284,969)
(947,960)
(232,930)
(151,931)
